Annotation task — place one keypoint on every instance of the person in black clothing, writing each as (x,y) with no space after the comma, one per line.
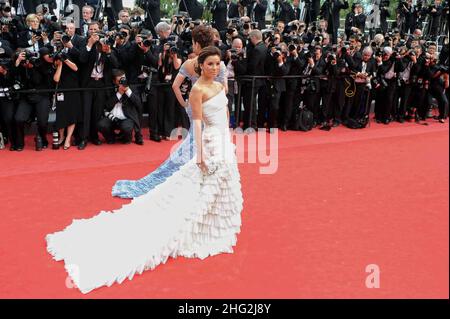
(286,12)
(169,63)
(152,13)
(32,38)
(437,86)
(355,21)
(415,107)
(256,10)
(219,15)
(7,106)
(330,11)
(328,91)
(68,104)
(390,63)
(314,68)
(435,12)
(33,75)
(232,9)
(256,58)
(296,66)
(98,60)
(275,65)
(143,69)
(121,111)
(363,70)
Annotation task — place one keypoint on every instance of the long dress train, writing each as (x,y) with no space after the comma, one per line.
(184,153)
(191,214)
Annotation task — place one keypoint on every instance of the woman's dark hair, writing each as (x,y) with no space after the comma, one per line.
(204,54)
(203,35)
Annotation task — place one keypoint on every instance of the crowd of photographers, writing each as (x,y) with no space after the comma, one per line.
(298,74)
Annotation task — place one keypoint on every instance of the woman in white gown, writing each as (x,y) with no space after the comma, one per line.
(195,213)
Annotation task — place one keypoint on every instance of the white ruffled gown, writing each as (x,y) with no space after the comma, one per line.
(191,214)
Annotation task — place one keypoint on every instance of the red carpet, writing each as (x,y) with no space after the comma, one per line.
(339,201)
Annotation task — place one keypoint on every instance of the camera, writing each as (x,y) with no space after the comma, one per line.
(65,38)
(105,39)
(59,55)
(123,81)
(277,53)
(111,116)
(29,55)
(136,24)
(331,57)
(235,55)
(4,62)
(149,43)
(37,33)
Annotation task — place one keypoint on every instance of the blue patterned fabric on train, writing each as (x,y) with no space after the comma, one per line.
(182,155)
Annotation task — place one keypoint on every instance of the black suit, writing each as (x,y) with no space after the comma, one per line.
(24,37)
(286,13)
(272,94)
(193,7)
(219,14)
(153,14)
(233,11)
(256,58)
(113,12)
(130,106)
(29,5)
(330,11)
(94,101)
(78,41)
(258,14)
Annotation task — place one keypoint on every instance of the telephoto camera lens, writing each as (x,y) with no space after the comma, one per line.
(55,144)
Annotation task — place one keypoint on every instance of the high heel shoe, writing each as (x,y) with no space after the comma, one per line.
(66,147)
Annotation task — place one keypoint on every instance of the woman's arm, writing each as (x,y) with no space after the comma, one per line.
(195,100)
(176,89)
(71,65)
(57,76)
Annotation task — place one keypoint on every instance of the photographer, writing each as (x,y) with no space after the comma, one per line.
(10,26)
(437,86)
(329,111)
(143,68)
(236,66)
(415,104)
(68,104)
(389,65)
(363,71)
(330,11)
(98,60)
(286,11)
(168,65)
(32,75)
(256,10)
(404,84)
(405,17)
(7,105)
(219,14)
(315,66)
(291,95)
(256,59)
(435,13)
(121,111)
(275,65)
(152,13)
(355,21)
(33,38)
